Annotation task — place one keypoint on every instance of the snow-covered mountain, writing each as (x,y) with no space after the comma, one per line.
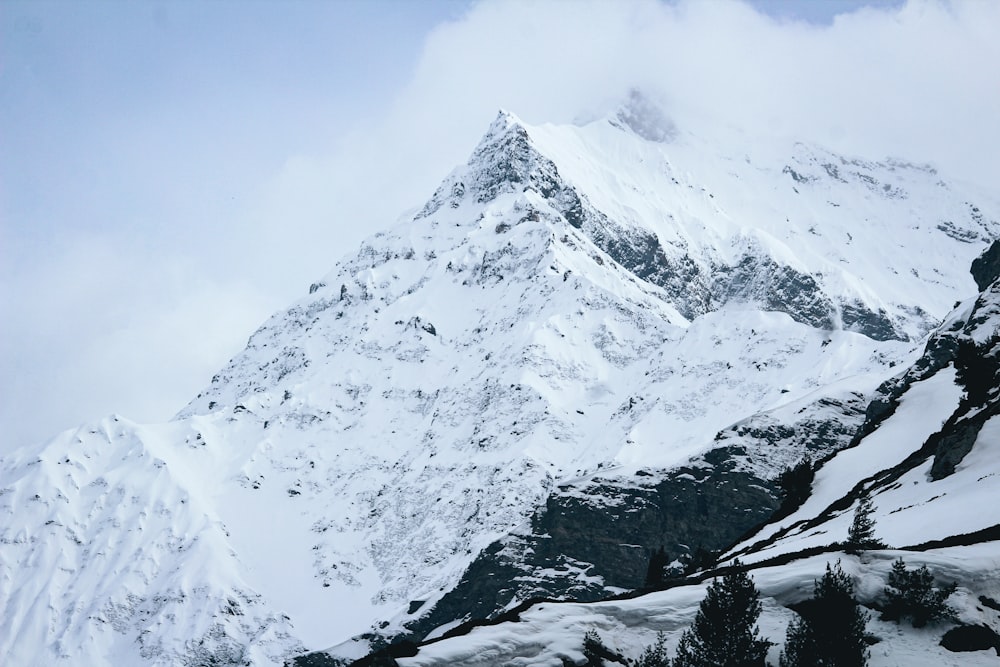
(592,313)
(927,456)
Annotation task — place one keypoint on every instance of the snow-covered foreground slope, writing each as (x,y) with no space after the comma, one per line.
(551,634)
(928,457)
(573,297)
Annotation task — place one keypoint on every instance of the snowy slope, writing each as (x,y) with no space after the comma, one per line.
(573,297)
(112,554)
(929,453)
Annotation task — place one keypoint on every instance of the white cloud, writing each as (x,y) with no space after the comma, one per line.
(98,327)
(917,82)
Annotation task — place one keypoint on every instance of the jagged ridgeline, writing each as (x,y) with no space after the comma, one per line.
(594,344)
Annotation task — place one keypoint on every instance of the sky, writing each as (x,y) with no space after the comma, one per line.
(173,173)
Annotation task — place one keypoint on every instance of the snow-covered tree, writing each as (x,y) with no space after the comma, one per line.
(724,632)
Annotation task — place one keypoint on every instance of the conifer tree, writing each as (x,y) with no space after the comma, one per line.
(913,594)
(593,649)
(724,632)
(655,655)
(799,649)
(831,629)
(861,535)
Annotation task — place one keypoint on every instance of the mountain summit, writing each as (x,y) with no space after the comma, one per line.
(613,301)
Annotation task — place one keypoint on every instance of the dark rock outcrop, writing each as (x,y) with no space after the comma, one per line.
(986,267)
(759,278)
(971,638)
(596,539)
(857,317)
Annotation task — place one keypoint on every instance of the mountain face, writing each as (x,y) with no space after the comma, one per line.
(926,455)
(592,342)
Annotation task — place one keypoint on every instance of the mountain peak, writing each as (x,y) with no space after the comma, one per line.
(645,118)
(504,120)
(505,161)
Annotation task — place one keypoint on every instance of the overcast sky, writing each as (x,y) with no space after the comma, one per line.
(172,173)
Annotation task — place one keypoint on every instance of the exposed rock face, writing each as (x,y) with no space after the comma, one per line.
(977,360)
(779,288)
(768,441)
(986,267)
(641,253)
(855,316)
(594,539)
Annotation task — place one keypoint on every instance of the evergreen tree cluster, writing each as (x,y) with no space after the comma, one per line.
(912,593)
(724,632)
(596,652)
(830,629)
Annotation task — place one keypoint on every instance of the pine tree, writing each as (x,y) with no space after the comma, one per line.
(593,649)
(799,645)
(895,592)
(724,632)
(861,535)
(913,594)
(655,655)
(831,629)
